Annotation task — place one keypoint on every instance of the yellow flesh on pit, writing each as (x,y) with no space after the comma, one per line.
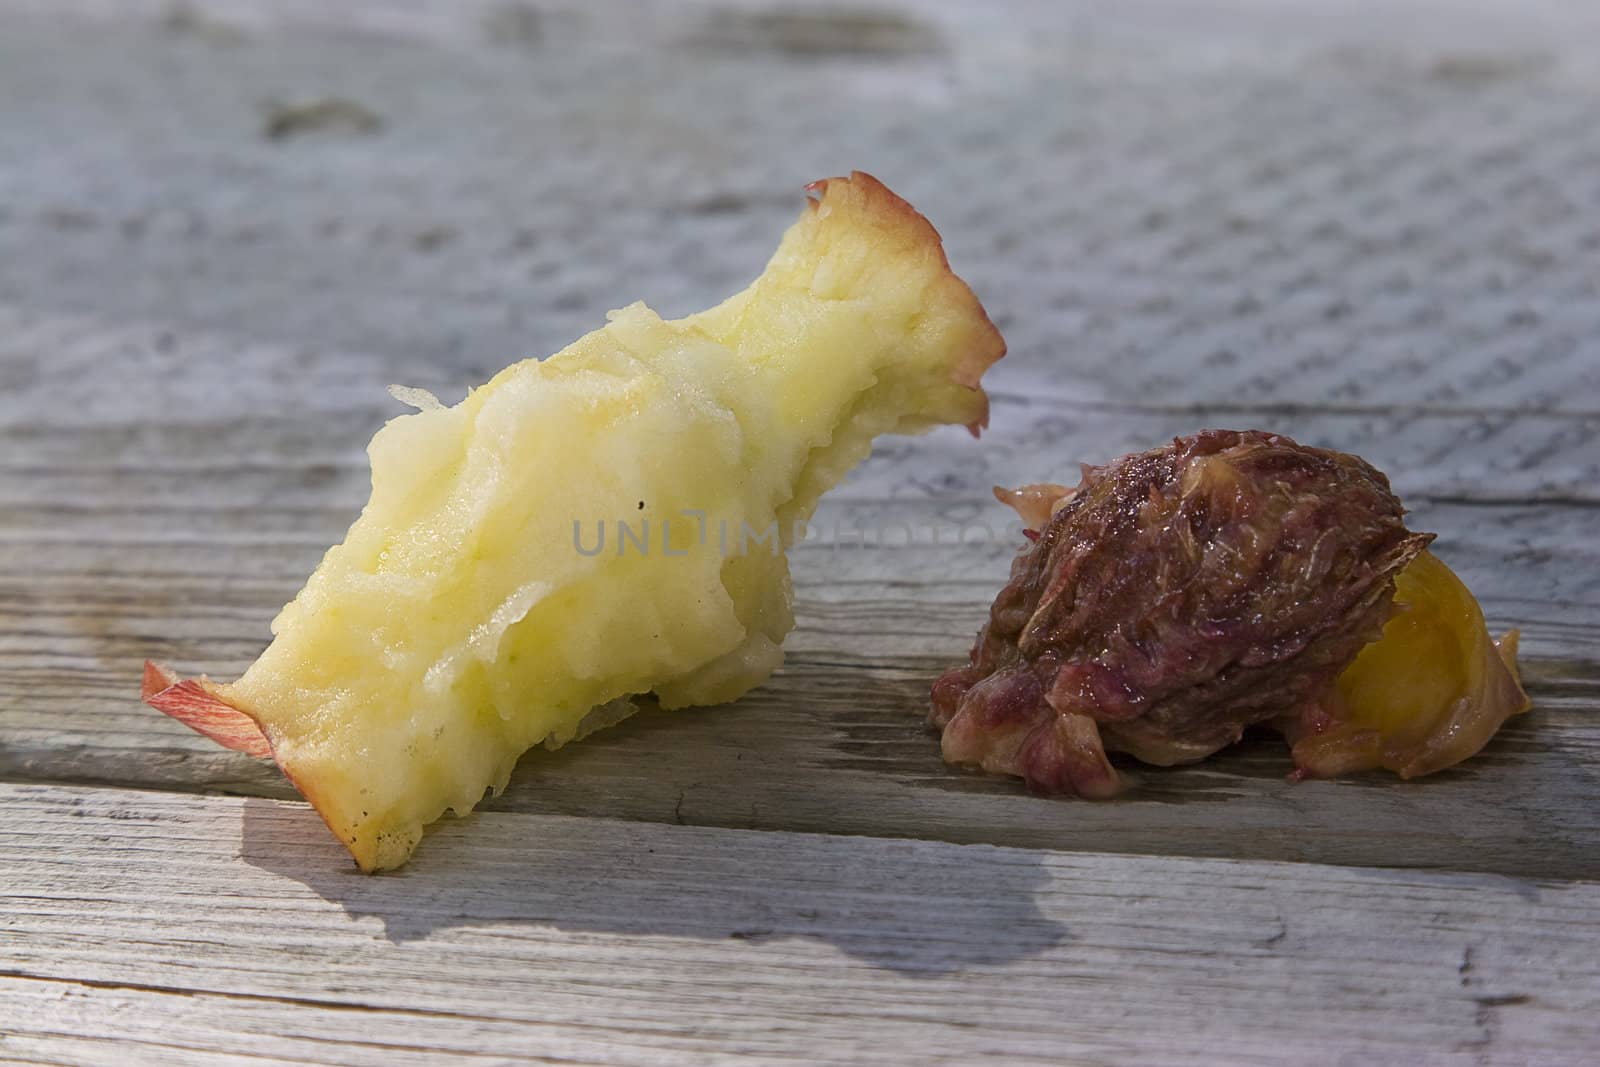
(1430,691)
(467,617)
(1421,664)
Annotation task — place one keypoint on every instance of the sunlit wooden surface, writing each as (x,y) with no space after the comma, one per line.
(1374,227)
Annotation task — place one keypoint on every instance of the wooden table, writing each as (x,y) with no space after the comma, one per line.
(1375,227)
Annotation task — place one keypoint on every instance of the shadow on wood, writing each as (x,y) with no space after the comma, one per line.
(885,902)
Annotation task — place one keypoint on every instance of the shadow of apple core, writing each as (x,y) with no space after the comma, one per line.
(890,903)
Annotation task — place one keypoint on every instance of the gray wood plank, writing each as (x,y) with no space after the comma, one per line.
(619,943)
(835,742)
(1318,205)
(831,748)
(1371,232)
(162,514)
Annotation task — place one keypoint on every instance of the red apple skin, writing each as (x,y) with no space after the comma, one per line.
(908,225)
(197,703)
(191,702)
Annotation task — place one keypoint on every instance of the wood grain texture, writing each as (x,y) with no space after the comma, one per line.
(835,742)
(830,746)
(1368,228)
(163,515)
(598,941)
(1331,215)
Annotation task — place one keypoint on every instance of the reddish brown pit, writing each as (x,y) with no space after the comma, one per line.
(1170,601)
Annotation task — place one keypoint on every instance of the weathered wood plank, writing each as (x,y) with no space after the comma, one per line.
(161,515)
(144,414)
(139,556)
(1385,247)
(1326,268)
(835,742)
(1235,223)
(834,748)
(163,518)
(75,1024)
(612,942)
